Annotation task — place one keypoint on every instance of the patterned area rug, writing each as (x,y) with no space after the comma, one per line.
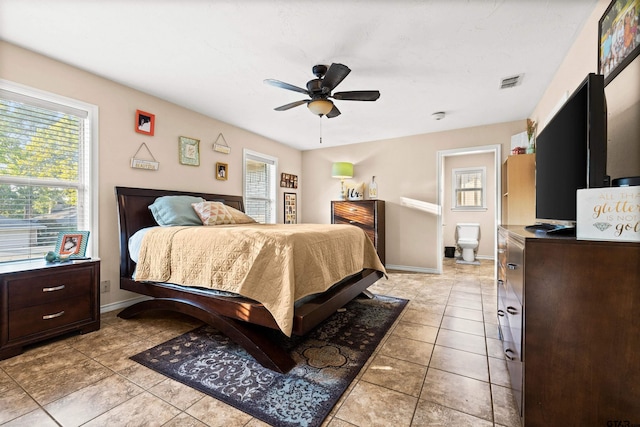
(327,360)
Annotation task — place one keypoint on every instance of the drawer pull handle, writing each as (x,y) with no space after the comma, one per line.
(53,288)
(512,310)
(352,222)
(501,313)
(507,354)
(500,282)
(352,209)
(52,316)
(512,266)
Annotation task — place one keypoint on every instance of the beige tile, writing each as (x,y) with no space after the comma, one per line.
(464,313)
(458,392)
(409,350)
(505,411)
(395,374)
(176,393)
(463,325)
(422,318)
(432,414)
(93,400)
(215,413)
(465,303)
(460,362)
(185,420)
(14,403)
(142,410)
(494,348)
(37,418)
(461,341)
(498,372)
(372,405)
(100,342)
(416,332)
(142,376)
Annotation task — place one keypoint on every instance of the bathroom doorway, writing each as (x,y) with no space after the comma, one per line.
(492,156)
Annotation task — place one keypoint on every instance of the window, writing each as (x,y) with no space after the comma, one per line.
(469,188)
(260,186)
(45,171)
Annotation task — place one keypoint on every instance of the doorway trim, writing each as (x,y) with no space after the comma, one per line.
(496,149)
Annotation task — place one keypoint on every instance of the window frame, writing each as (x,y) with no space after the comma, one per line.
(455,172)
(90,182)
(265,158)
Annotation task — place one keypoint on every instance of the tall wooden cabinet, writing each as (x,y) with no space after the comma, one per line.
(366,214)
(519,189)
(568,313)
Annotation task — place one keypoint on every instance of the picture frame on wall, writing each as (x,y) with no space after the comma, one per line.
(189,151)
(72,244)
(288,180)
(618,44)
(222,171)
(145,122)
(290,208)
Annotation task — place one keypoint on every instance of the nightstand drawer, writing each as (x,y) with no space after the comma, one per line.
(361,214)
(41,289)
(31,320)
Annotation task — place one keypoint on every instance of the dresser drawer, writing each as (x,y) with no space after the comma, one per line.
(515,267)
(45,317)
(42,289)
(361,214)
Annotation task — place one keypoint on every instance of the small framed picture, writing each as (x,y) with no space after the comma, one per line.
(290,208)
(222,171)
(618,42)
(145,122)
(72,244)
(189,151)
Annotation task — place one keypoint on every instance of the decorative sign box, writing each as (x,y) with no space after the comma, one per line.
(611,213)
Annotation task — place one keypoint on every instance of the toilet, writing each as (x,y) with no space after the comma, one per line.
(467,239)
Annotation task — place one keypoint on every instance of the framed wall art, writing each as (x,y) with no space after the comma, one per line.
(288,180)
(72,244)
(145,122)
(222,171)
(618,37)
(189,151)
(290,208)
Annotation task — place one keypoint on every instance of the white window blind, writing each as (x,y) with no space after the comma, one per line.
(44,174)
(260,186)
(469,188)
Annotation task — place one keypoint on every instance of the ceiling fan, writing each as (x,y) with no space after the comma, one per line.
(319,91)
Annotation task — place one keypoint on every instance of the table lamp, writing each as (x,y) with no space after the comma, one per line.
(342,170)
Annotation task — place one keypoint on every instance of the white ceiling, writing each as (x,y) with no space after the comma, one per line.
(212,57)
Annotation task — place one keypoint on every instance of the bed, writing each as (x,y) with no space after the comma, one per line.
(242,319)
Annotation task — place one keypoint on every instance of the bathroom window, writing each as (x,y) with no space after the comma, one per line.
(469,188)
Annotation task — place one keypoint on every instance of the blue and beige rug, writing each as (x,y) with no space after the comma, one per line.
(327,360)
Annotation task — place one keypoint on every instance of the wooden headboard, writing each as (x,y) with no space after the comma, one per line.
(134,214)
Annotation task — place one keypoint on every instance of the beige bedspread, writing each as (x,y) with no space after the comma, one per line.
(273,264)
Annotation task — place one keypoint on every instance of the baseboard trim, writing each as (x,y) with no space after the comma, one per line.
(122,304)
(412,269)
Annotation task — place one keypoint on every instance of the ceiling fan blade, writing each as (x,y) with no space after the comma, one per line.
(335,74)
(283,85)
(357,95)
(291,105)
(333,113)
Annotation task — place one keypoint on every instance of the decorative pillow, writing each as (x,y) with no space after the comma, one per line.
(213,213)
(355,191)
(240,217)
(175,210)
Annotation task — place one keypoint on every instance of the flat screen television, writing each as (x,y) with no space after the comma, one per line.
(571,154)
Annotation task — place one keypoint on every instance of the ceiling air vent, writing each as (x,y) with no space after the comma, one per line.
(509,82)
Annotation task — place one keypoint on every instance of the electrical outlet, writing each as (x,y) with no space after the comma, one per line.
(105,286)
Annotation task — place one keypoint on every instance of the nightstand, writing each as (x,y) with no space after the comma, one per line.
(366,214)
(40,300)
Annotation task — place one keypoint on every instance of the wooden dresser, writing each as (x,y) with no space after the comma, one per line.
(569,317)
(519,189)
(40,300)
(366,214)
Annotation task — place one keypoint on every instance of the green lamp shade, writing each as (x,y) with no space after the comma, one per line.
(342,170)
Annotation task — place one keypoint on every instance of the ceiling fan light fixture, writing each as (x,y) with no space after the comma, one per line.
(320,107)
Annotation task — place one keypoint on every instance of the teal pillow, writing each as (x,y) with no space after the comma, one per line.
(175,210)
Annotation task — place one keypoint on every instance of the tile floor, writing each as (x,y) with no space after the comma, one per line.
(441,364)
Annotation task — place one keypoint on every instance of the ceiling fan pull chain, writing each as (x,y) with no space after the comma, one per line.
(320,129)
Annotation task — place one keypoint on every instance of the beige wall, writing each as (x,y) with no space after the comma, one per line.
(118,143)
(623,97)
(403,167)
